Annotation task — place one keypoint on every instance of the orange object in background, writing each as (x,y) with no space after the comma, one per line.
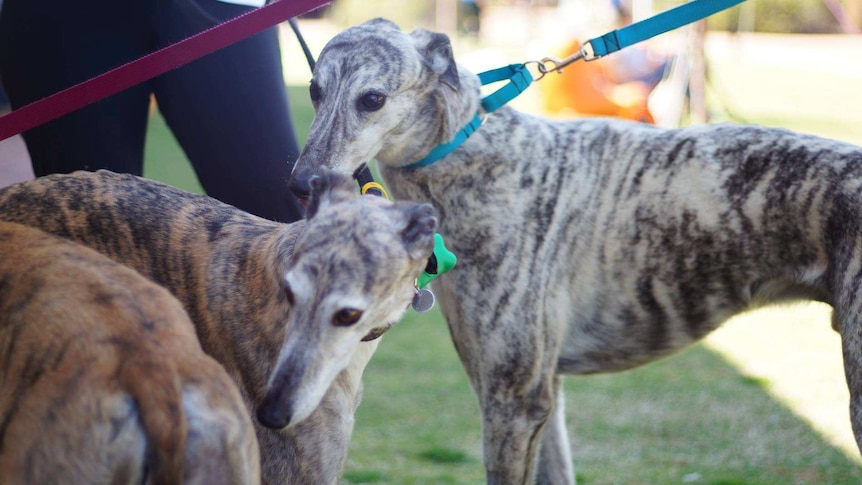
(586,89)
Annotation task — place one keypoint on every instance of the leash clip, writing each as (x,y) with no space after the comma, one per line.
(555,64)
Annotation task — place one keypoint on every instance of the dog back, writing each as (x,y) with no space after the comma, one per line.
(103,378)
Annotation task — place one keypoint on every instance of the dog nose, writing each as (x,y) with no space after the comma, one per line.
(273,416)
(298,184)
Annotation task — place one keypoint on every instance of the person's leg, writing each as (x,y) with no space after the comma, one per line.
(230,113)
(49,45)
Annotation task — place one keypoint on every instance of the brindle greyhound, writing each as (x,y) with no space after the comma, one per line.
(104,380)
(586,246)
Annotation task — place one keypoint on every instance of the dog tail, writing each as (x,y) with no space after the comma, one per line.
(155,386)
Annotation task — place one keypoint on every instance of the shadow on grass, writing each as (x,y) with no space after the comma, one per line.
(439,454)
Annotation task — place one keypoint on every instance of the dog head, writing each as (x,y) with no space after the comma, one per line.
(352,274)
(381,93)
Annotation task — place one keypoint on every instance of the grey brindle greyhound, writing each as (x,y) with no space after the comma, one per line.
(592,245)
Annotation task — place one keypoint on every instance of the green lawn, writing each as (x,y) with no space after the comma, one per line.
(691,418)
(692,415)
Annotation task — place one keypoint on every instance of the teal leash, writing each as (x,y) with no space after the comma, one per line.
(519,77)
(657,24)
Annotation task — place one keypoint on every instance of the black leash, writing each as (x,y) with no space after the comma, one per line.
(305,50)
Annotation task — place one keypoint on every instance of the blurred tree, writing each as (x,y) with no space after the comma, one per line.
(405,14)
(786,16)
(854,10)
(776,16)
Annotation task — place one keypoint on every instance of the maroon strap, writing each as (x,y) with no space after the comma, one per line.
(152,65)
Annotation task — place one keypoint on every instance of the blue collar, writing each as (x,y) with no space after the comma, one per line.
(519,79)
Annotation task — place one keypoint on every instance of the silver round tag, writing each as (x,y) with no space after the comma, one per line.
(423,301)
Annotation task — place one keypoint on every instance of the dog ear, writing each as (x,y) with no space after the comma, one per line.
(437,55)
(330,187)
(418,232)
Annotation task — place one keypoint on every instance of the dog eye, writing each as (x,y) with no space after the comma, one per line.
(371,101)
(346,316)
(288,293)
(315,93)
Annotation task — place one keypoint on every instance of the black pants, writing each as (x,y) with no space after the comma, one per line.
(229,110)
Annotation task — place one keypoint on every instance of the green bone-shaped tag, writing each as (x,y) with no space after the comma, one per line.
(440,262)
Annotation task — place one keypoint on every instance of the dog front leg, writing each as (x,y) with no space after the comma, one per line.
(555,455)
(850,326)
(511,430)
(516,393)
(511,363)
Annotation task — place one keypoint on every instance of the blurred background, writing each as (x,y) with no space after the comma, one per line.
(711,71)
(761,401)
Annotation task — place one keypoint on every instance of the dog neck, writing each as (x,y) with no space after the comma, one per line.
(454,109)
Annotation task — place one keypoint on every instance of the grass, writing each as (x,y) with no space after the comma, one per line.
(165,161)
(691,418)
(418,422)
(693,415)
